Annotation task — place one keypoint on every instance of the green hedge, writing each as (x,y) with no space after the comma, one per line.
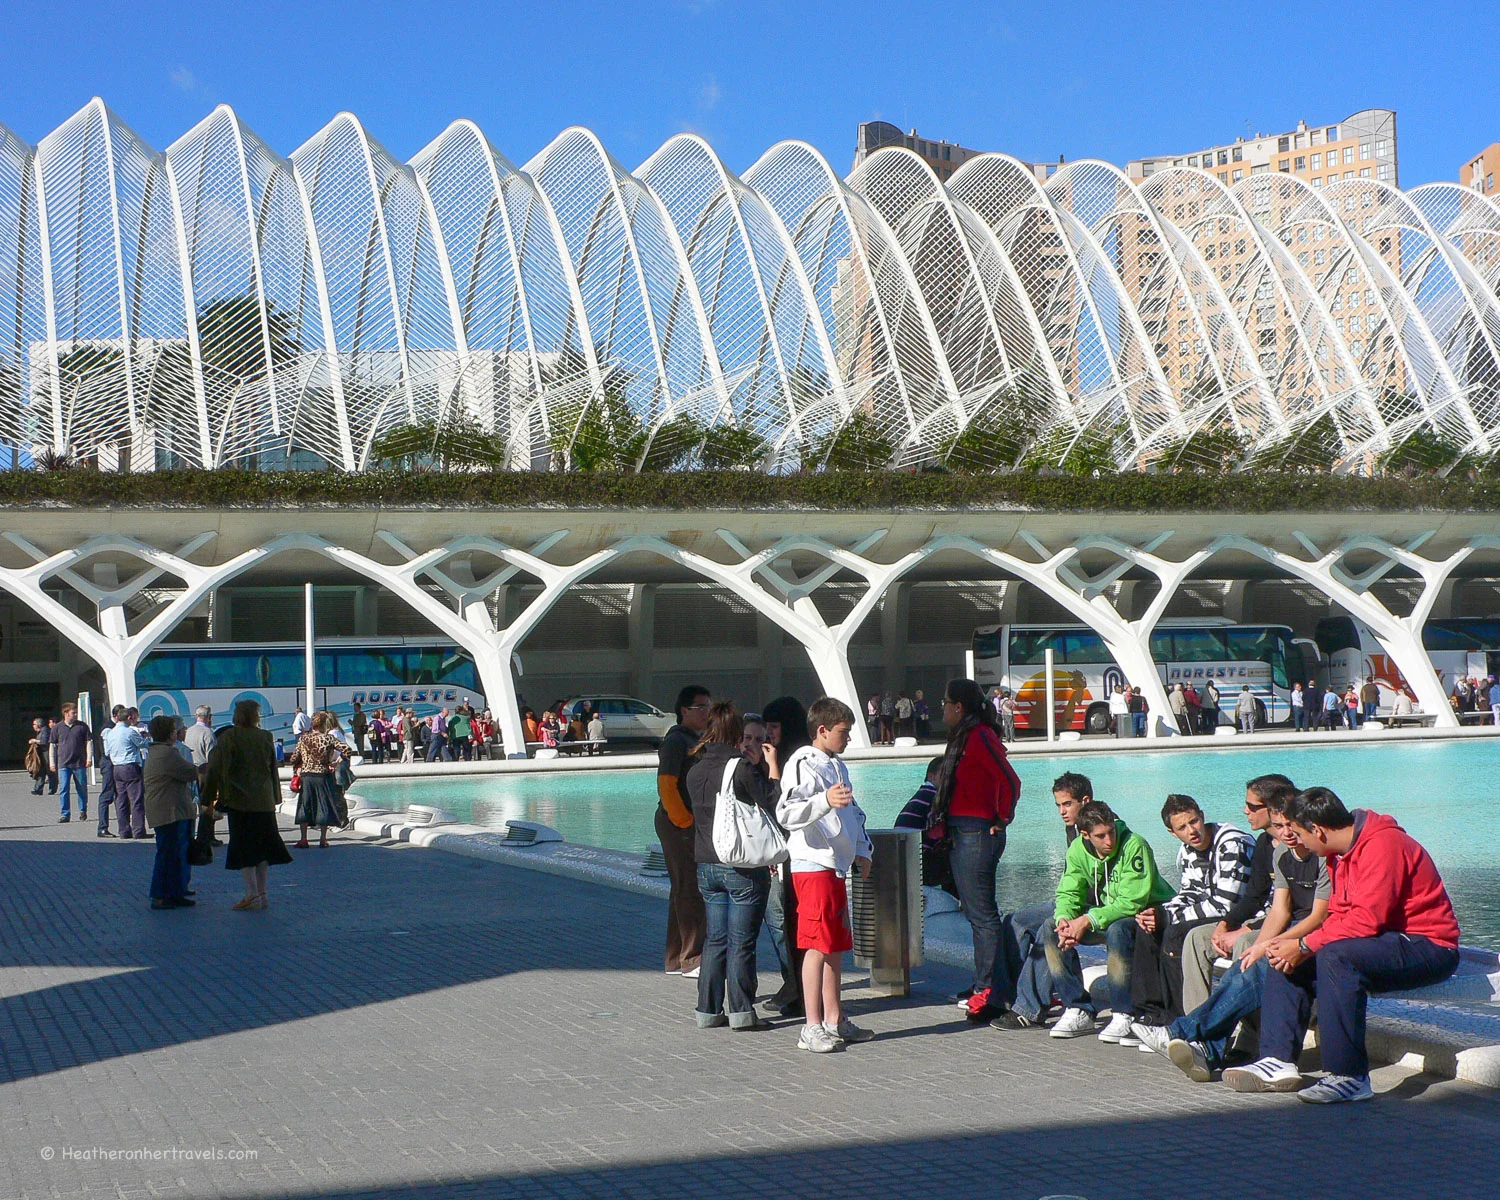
(846,490)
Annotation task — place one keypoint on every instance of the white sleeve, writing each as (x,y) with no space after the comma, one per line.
(804,799)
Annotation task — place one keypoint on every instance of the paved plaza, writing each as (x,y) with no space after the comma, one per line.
(403,1022)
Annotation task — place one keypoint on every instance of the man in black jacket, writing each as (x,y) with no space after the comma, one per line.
(1313,705)
(1236,930)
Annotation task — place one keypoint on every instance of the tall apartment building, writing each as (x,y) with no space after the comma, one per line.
(1361,146)
(1481,172)
(942,156)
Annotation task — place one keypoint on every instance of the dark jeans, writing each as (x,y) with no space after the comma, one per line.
(1156,974)
(1371,709)
(781,922)
(975,857)
(1026,971)
(169,878)
(685,916)
(1067,972)
(106,790)
(1341,977)
(130,800)
(75,779)
(436,747)
(1235,997)
(735,901)
(1299,717)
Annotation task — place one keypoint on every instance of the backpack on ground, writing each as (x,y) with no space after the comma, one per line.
(744,834)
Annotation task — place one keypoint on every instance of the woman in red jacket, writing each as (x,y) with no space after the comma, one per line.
(977,790)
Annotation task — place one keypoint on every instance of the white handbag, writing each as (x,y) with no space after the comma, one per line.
(744,834)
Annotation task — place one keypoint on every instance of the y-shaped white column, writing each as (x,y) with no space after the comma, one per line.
(471,625)
(116,651)
(1400,637)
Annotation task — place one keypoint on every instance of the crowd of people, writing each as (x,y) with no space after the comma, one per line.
(1314,902)
(1478,695)
(448,735)
(891,716)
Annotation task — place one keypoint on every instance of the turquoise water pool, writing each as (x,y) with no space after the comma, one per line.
(1442,792)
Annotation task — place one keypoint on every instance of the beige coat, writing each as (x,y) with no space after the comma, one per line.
(164,780)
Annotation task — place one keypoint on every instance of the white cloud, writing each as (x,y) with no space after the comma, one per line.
(709,94)
(183,78)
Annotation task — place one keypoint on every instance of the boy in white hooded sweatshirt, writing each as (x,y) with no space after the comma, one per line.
(826,838)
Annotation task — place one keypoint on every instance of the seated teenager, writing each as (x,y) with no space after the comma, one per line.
(936,871)
(1238,927)
(1021,932)
(1390,926)
(1115,868)
(1301,890)
(1213,865)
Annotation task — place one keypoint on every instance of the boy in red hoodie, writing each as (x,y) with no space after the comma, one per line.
(1390,926)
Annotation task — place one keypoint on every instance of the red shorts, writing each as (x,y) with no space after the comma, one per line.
(822,912)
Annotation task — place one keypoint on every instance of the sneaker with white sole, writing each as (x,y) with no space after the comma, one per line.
(1073,1023)
(1153,1038)
(817,1039)
(1338,1089)
(1118,1028)
(1190,1059)
(1264,1075)
(847,1031)
(693,974)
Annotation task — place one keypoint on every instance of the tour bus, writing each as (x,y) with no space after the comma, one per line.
(1457,646)
(425,674)
(1266,657)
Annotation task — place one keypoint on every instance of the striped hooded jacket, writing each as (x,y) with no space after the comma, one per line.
(1212,879)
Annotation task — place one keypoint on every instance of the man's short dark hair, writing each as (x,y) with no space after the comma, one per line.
(1274,791)
(687,697)
(1094,814)
(1318,806)
(934,767)
(118,712)
(828,712)
(1177,804)
(163,727)
(1073,784)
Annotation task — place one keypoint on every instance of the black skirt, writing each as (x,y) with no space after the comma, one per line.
(321,803)
(254,839)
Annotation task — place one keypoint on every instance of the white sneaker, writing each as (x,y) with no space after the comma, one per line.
(1264,1075)
(1073,1023)
(1189,1058)
(847,1031)
(1153,1038)
(693,974)
(1118,1028)
(1338,1089)
(818,1040)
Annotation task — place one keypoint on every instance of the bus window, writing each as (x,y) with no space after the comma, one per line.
(987,645)
(1161,647)
(1249,645)
(1334,634)
(1461,633)
(1029,648)
(1197,645)
(369,668)
(165,671)
(1086,646)
(288,668)
(441,664)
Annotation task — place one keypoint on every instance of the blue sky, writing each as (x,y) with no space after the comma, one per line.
(1113,81)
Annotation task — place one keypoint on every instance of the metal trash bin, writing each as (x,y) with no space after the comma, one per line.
(1125,725)
(886,911)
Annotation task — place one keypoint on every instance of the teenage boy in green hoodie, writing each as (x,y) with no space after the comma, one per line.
(1114,868)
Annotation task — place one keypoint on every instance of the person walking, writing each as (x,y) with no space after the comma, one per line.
(127,753)
(242,782)
(167,778)
(1244,709)
(316,759)
(36,755)
(686,918)
(460,735)
(437,736)
(1208,711)
(1332,708)
(408,735)
(199,740)
(977,790)
(1007,714)
(359,726)
(1298,701)
(1369,698)
(1178,704)
(72,746)
(734,898)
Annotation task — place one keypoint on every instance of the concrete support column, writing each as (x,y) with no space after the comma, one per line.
(1238,599)
(895,610)
(366,611)
(642,630)
(772,647)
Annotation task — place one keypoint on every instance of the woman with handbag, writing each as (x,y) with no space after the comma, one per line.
(242,783)
(734,893)
(315,761)
(977,790)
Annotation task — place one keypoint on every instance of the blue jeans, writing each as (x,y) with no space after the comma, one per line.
(975,858)
(106,790)
(1026,961)
(78,779)
(776,927)
(1299,717)
(169,877)
(736,904)
(1371,709)
(1067,971)
(1341,977)
(1212,1023)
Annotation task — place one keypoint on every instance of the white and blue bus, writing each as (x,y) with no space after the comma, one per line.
(425,674)
(1457,646)
(1266,657)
